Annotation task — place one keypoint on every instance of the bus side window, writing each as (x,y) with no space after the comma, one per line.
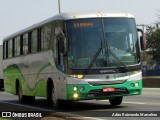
(45,32)
(10,48)
(17,46)
(5,49)
(34,41)
(25,43)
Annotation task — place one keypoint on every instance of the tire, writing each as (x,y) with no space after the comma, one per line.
(25,99)
(116,101)
(21,97)
(52,98)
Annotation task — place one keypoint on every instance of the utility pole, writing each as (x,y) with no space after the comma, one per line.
(59,6)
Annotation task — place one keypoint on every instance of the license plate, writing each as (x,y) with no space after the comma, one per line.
(112,89)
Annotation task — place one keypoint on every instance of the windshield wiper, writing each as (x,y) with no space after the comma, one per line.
(93,61)
(117,58)
(95,58)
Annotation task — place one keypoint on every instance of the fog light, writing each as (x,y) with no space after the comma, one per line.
(136,84)
(75,88)
(132,84)
(75,96)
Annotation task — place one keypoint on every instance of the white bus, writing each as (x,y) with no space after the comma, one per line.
(74,56)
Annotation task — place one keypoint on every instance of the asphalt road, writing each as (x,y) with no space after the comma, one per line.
(146,104)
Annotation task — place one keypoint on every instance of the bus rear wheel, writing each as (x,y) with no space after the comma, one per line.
(116,101)
(24,99)
(21,97)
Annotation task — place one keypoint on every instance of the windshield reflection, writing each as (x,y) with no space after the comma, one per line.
(87,36)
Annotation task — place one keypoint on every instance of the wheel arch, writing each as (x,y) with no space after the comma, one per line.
(49,83)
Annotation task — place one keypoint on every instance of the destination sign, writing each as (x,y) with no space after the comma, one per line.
(83,24)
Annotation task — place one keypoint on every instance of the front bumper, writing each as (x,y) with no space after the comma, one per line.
(87,91)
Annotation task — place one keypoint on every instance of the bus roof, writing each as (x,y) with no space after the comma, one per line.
(73,15)
(94,14)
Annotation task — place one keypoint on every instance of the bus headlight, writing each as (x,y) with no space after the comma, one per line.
(75,88)
(80,76)
(75,96)
(136,84)
(77,76)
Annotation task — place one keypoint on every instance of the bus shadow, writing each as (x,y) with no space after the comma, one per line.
(78,106)
(71,106)
(82,106)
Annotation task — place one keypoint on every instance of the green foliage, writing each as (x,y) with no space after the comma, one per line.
(153,42)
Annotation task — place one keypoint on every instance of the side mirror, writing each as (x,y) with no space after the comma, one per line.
(141,39)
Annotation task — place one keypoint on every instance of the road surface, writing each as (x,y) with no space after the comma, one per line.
(146,104)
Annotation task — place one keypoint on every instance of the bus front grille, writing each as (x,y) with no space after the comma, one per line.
(95,83)
(99,92)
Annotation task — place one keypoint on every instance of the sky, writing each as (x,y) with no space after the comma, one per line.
(19,14)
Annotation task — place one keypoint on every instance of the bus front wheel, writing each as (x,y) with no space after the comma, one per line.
(116,100)
(52,97)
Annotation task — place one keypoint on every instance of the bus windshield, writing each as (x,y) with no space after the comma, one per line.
(114,36)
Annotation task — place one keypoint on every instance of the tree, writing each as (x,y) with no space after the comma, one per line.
(153,41)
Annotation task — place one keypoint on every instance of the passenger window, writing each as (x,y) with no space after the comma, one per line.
(5,50)
(25,43)
(34,41)
(10,48)
(45,37)
(17,46)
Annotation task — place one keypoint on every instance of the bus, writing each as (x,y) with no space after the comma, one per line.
(74,56)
